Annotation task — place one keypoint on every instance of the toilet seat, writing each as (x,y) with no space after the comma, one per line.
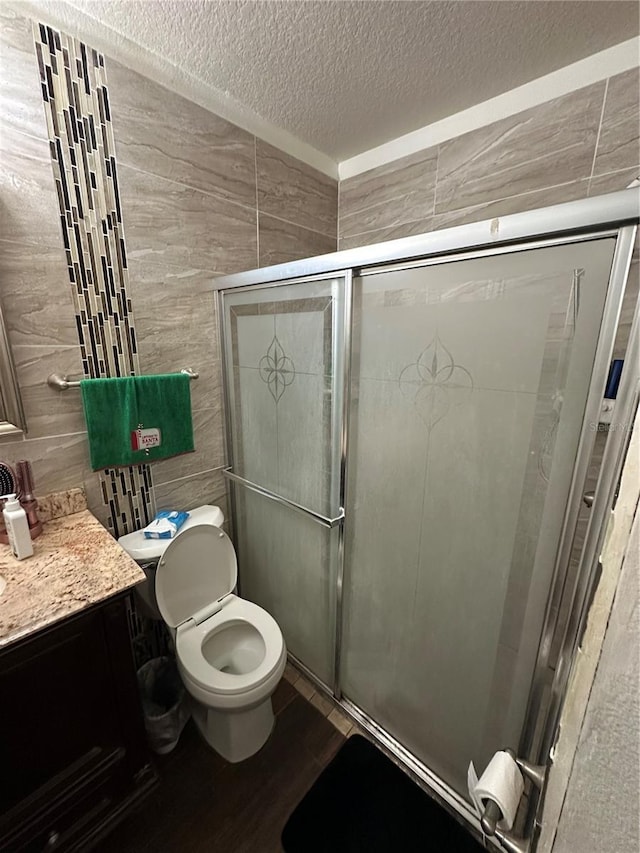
(194,582)
(191,638)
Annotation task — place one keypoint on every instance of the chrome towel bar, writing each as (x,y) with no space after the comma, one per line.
(303,510)
(61,383)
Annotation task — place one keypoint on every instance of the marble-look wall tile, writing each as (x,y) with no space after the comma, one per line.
(208,487)
(176,326)
(29,210)
(20,98)
(208,433)
(619,140)
(281,241)
(392,232)
(48,411)
(514,204)
(162,133)
(292,190)
(35,294)
(170,223)
(543,146)
(402,191)
(59,462)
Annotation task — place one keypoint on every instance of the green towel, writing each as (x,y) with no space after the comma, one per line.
(137,419)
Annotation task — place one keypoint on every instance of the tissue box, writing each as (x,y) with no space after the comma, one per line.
(165,525)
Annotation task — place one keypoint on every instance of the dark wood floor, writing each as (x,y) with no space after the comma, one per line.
(203,803)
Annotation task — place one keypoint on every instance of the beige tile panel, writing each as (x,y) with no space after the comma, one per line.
(161,132)
(291,190)
(36,295)
(393,232)
(515,204)
(209,449)
(29,211)
(20,93)
(282,241)
(49,412)
(547,145)
(619,140)
(59,462)
(414,175)
(176,326)
(397,192)
(207,487)
(169,223)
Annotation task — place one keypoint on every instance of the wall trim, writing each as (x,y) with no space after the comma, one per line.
(592,69)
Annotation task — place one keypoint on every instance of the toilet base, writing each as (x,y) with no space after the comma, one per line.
(235,735)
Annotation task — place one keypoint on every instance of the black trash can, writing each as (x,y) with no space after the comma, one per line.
(165,703)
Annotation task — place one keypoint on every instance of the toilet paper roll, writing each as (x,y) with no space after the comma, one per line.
(502,782)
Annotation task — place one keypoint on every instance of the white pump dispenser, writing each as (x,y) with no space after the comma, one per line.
(15,520)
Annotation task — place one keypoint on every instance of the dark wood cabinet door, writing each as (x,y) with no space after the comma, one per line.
(72,742)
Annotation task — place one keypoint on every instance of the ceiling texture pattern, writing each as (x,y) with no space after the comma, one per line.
(345,76)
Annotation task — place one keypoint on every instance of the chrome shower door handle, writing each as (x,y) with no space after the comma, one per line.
(588,498)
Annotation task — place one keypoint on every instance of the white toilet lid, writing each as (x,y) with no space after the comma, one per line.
(198,568)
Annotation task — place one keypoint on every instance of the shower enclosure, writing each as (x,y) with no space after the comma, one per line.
(409,432)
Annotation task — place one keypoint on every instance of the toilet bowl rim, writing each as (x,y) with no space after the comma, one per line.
(191,637)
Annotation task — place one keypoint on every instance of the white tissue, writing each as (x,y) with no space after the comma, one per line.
(502,782)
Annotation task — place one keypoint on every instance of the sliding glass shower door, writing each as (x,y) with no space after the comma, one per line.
(285,355)
(408,444)
(470,380)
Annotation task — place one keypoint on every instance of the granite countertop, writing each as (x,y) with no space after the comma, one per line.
(76,563)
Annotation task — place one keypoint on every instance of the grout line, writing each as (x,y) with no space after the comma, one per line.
(338,217)
(595,150)
(56,435)
(218,197)
(255,165)
(208,193)
(435,186)
(470,207)
(298,225)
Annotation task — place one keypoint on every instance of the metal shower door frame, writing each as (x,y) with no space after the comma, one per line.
(616,215)
(345,321)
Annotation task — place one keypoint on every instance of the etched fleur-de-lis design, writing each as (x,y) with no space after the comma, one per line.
(276,369)
(434,383)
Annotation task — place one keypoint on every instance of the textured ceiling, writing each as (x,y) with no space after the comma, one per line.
(346,76)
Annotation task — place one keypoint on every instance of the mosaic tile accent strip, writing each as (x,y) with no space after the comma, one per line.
(78,115)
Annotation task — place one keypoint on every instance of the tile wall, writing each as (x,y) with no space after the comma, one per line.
(199,197)
(584,143)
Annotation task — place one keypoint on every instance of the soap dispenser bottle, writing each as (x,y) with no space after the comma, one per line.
(15,520)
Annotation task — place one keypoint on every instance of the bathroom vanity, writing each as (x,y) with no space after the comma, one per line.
(73,750)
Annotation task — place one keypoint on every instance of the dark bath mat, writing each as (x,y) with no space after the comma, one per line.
(363,803)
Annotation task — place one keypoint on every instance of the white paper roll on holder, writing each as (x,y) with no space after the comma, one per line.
(492,814)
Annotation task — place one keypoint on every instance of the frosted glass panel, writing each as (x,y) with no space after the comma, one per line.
(284,357)
(470,381)
(284,366)
(288,566)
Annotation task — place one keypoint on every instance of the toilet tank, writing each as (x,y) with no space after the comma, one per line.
(147,552)
(150,550)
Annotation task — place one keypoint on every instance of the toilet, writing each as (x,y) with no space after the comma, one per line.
(230,652)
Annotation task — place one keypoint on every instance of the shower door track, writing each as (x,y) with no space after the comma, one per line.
(605,216)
